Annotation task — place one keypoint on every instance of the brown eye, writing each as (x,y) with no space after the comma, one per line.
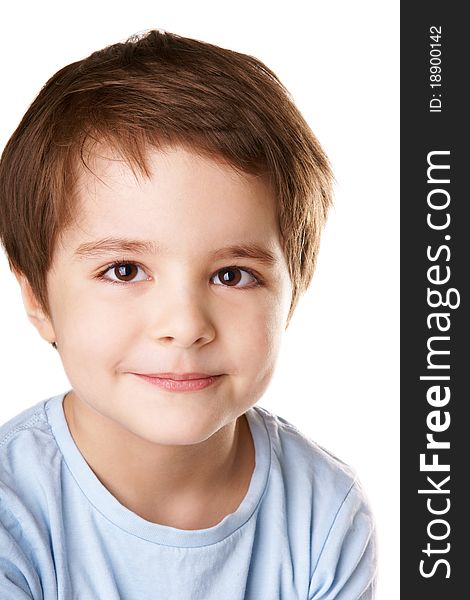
(230,276)
(125,273)
(233,276)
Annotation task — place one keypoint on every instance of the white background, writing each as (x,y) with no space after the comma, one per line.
(337,375)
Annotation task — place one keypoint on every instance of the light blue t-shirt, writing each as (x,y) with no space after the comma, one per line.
(303,530)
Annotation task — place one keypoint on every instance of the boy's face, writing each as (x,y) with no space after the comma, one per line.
(176,308)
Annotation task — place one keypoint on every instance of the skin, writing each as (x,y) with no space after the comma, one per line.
(183,459)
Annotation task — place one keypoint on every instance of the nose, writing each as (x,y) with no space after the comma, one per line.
(183,320)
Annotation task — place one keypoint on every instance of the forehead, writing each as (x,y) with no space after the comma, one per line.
(186,198)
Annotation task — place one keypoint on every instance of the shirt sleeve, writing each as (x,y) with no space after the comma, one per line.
(18,578)
(346,567)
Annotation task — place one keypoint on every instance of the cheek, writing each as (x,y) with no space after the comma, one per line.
(92,332)
(258,334)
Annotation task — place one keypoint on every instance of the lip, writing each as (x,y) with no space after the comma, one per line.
(178,376)
(180,382)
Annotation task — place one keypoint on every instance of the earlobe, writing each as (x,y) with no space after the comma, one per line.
(34,310)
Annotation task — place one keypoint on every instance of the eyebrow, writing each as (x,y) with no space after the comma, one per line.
(97,248)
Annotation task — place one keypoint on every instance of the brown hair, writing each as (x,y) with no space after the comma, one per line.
(154,90)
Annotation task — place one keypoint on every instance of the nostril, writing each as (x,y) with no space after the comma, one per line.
(185,341)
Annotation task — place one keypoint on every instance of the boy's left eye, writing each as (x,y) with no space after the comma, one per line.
(232,276)
(126,272)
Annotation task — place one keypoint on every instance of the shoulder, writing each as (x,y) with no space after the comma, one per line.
(32,417)
(346,565)
(25,434)
(29,476)
(29,455)
(305,461)
(327,512)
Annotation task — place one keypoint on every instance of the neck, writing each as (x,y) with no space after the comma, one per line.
(189,487)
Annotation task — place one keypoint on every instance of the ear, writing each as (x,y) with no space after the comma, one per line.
(34,310)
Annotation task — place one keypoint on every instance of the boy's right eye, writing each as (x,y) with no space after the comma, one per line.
(124,272)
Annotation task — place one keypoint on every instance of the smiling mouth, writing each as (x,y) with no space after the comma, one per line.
(178,376)
(180,382)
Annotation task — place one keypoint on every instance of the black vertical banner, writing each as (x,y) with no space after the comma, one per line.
(435,269)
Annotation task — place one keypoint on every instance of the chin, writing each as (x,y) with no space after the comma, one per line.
(183,433)
(176,439)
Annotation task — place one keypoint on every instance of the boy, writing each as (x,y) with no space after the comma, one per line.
(161,207)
